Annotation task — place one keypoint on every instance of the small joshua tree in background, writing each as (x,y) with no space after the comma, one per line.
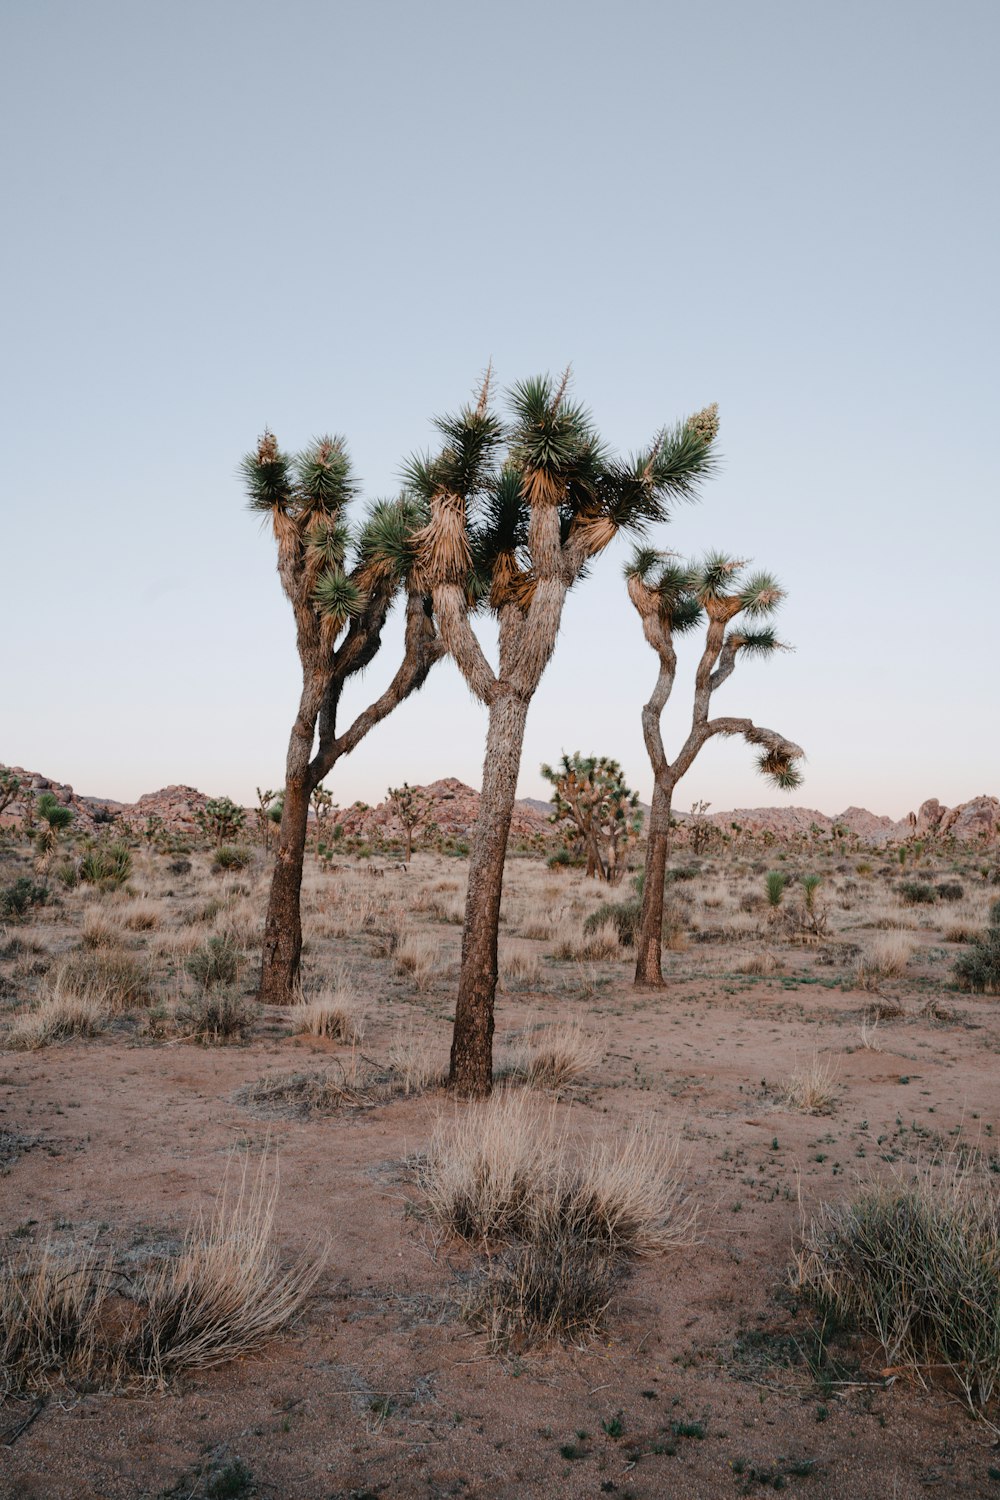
(671,599)
(221,820)
(263,813)
(413,809)
(322,806)
(53,817)
(591,795)
(10,786)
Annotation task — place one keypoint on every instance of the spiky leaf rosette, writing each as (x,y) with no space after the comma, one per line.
(471,440)
(337,598)
(325,480)
(386,549)
(780,767)
(552,439)
(715,575)
(760,594)
(328,542)
(756,642)
(267,476)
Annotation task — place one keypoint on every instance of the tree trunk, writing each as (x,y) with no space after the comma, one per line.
(282,946)
(471,1074)
(649,944)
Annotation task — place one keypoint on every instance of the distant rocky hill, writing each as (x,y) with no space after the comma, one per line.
(456,805)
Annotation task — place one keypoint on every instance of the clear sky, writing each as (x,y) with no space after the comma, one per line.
(226,214)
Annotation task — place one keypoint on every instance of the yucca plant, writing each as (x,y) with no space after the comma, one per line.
(516,512)
(733,606)
(341,586)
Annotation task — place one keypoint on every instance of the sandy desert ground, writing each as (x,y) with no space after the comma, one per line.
(709,1377)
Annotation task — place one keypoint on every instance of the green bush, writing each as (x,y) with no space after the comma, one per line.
(216,963)
(950,890)
(774,887)
(917,892)
(624,914)
(107,864)
(17,899)
(217,1017)
(978,968)
(231,857)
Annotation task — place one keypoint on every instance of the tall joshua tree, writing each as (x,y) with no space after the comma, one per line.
(733,607)
(340,611)
(516,512)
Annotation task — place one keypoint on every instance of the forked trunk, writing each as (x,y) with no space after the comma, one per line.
(649,944)
(282,947)
(471,1074)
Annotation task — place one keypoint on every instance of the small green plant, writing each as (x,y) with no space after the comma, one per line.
(217,1017)
(107,865)
(917,892)
(624,915)
(978,968)
(216,963)
(231,857)
(774,887)
(17,900)
(950,890)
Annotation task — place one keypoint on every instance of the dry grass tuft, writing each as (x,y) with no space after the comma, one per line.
(98,932)
(140,916)
(336,1012)
(519,968)
(58,1014)
(112,976)
(217,1017)
(322,1091)
(75,1319)
(415,1064)
(553,1056)
(415,956)
(813,1088)
(914,1263)
(883,957)
(758,963)
(566,1217)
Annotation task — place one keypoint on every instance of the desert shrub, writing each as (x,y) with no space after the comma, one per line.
(16,900)
(66,873)
(914,1264)
(950,890)
(624,916)
(112,975)
(179,867)
(71,1318)
(98,932)
(217,962)
(58,1014)
(917,892)
(564,859)
(107,865)
(303,1093)
(978,968)
(774,887)
(217,1017)
(552,1284)
(231,857)
(961,932)
(758,964)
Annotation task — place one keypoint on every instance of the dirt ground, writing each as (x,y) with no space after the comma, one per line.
(709,1380)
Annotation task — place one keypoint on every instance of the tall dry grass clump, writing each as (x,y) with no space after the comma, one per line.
(915,1264)
(336,1012)
(553,1055)
(813,1087)
(75,1318)
(561,1219)
(883,957)
(58,1014)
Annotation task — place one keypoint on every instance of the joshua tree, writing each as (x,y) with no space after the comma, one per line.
(340,612)
(221,819)
(515,515)
(54,817)
(10,786)
(322,803)
(412,808)
(262,812)
(590,793)
(672,598)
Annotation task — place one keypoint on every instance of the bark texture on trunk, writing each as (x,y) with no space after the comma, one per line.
(649,944)
(282,946)
(471,1074)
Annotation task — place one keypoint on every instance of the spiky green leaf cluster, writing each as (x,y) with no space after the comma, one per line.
(779,769)
(337,597)
(385,543)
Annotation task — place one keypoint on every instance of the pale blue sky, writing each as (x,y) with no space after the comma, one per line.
(318,216)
